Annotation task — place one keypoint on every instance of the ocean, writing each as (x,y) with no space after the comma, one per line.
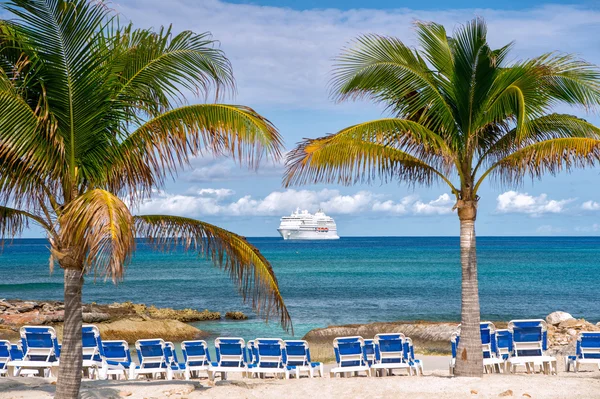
(351,280)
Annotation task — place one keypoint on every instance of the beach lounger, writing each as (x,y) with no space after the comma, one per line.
(269,358)
(369,351)
(587,351)
(252,355)
(454,340)
(196,357)
(389,354)
(4,357)
(117,360)
(297,359)
(40,352)
(530,340)
(416,365)
(176,368)
(231,357)
(350,356)
(16,353)
(491,360)
(504,345)
(93,352)
(153,362)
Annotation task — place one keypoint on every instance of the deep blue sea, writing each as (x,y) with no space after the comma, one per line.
(351,280)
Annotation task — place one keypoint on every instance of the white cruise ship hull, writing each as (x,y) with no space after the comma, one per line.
(291,234)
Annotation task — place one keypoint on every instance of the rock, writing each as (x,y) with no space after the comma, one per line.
(428,336)
(570,323)
(131,330)
(572,332)
(95,317)
(473,392)
(124,394)
(527,395)
(508,392)
(236,316)
(25,307)
(557,317)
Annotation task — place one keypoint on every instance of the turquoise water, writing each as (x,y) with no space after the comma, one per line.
(351,280)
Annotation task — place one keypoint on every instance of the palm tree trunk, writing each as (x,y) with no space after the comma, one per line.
(69,374)
(469,357)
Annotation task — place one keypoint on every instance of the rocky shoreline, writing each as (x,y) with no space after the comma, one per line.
(128,321)
(434,337)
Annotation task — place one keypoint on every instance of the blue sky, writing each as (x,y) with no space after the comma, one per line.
(282,54)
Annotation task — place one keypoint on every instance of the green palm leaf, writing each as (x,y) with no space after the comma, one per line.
(244,263)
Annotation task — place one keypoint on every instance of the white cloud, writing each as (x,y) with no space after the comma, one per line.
(442,205)
(283,57)
(412,204)
(514,202)
(590,206)
(222,202)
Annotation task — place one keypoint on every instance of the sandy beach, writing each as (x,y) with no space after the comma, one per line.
(434,384)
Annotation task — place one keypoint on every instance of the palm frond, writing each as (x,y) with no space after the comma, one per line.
(154,67)
(349,157)
(569,79)
(388,71)
(549,156)
(12,223)
(547,127)
(98,229)
(244,263)
(166,142)
(64,36)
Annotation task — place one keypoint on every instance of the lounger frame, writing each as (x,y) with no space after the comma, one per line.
(357,356)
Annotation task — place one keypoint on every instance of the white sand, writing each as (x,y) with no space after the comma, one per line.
(435,384)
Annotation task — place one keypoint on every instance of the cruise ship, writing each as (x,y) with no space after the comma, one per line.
(302,225)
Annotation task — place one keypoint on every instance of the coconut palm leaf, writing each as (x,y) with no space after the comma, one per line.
(388,71)
(165,143)
(244,263)
(548,156)
(99,226)
(12,222)
(154,67)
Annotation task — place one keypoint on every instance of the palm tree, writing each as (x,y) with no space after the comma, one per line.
(460,113)
(93,121)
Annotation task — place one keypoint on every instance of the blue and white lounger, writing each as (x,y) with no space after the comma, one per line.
(350,356)
(297,359)
(530,341)
(41,352)
(93,352)
(175,368)
(369,351)
(489,345)
(4,357)
(416,365)
(389,354)
(117,360)
(252,355)
(196,357)
(504,343)
(153,362)
(587,351)
(492,361)
(231,357)
(454,340)
(269,354)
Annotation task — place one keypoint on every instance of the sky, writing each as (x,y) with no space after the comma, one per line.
(282,54)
